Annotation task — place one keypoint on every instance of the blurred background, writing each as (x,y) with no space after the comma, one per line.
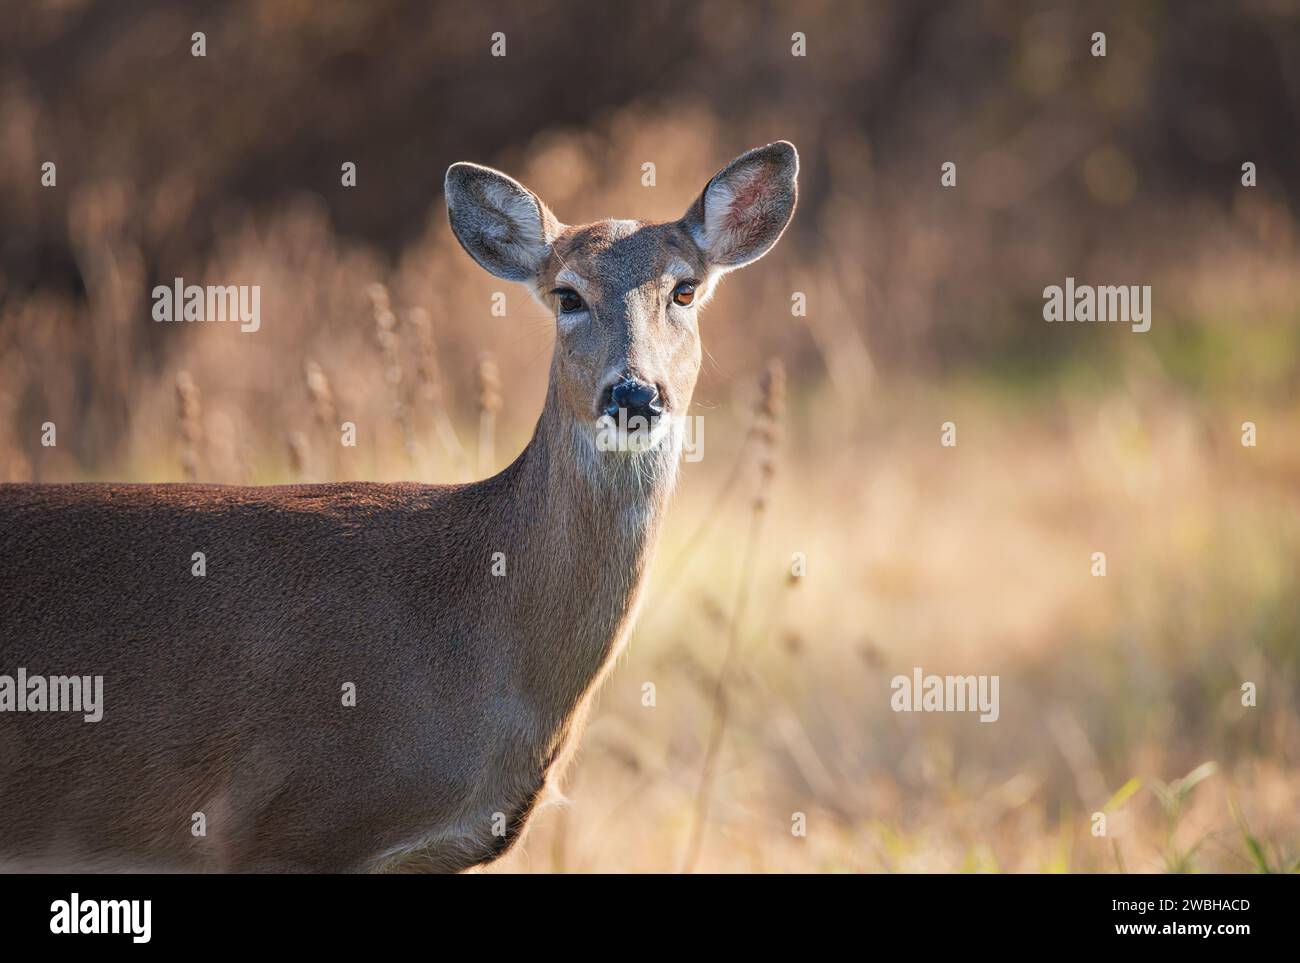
(1119,694)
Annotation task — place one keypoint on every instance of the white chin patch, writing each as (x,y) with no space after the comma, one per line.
(635,435)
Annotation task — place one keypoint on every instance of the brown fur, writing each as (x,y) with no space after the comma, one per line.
(223,694)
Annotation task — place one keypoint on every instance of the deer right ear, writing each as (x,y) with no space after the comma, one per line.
(502,224)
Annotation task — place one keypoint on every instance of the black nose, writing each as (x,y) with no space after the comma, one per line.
(637,397)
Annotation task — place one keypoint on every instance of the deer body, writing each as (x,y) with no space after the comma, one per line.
(467,684)
(223,696)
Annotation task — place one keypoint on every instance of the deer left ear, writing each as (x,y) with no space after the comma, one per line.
(746,206)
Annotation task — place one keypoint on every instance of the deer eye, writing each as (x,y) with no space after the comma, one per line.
(684,293)
(569,300)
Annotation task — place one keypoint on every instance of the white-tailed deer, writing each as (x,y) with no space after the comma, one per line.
(366,675)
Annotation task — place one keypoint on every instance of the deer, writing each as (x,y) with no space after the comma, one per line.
(370,677)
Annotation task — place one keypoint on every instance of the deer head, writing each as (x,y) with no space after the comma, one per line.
(626,294)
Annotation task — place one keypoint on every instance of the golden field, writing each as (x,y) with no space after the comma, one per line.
(1119,694)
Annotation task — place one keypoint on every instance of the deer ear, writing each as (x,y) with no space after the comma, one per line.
(745,208)
(502,224)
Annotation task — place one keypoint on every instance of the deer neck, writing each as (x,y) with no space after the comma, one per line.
(587,522)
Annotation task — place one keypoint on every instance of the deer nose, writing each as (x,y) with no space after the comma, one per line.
(637,397)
